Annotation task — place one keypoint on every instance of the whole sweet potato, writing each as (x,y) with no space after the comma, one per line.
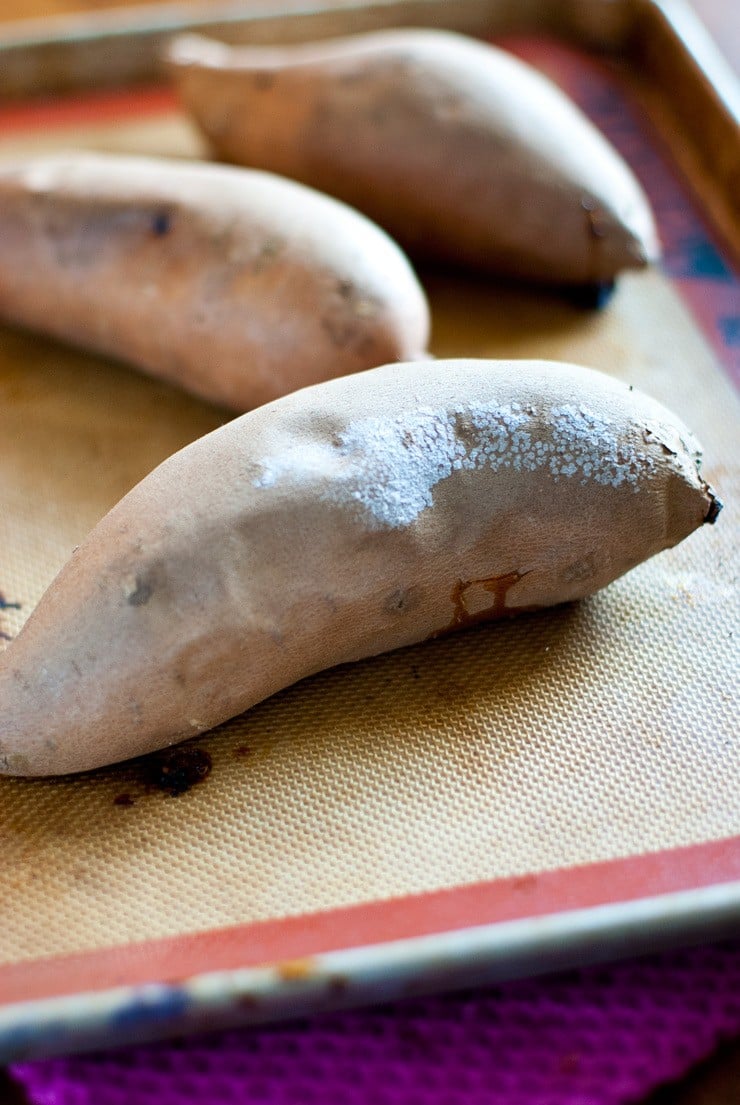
(347,519)
(457,148)
(239,286)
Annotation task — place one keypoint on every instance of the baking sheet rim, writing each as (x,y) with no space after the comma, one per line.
(368,974)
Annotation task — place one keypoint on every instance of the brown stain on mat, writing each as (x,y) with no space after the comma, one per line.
(176,770)
(6,605)
(124,800)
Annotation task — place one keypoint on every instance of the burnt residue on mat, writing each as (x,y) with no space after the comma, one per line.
(124,800)
(175,770)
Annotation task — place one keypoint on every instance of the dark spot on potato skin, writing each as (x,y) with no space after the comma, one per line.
(352,76)
(267,254)
(264,79)
(402,600)
(581,570)
(594,219)
(141,594)
(161,224)
(340,332)
(366,346)
(21,679)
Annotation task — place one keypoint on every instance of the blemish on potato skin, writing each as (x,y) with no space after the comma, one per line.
(363,306)
(267,254)
(402,600)
(140,593)
(498,586)
(339,332)
(161,224)
(365,346)
(264,79)
(594,219)
(16,764)
(581,570)
(354,76)
(652,437)
(21,679)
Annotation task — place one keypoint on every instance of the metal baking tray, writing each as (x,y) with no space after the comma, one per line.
(556,790)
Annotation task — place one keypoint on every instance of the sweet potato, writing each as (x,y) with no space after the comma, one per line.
(458,149)
(344,520)
(236,285)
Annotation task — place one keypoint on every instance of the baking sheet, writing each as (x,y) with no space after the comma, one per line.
(577,759)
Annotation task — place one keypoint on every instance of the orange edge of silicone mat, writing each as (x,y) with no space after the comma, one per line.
(174,959)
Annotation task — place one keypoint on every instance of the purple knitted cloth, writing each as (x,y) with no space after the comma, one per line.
(598,1036)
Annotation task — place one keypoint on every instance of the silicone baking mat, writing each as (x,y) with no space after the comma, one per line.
(582,756)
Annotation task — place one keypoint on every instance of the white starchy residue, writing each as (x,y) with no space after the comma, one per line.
(585,444)
(397,462)
(390,466)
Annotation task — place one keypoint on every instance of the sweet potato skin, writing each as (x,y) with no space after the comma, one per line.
(345,520)
(236,285)
(458,149)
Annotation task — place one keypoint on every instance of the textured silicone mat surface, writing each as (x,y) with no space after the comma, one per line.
(575,735)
